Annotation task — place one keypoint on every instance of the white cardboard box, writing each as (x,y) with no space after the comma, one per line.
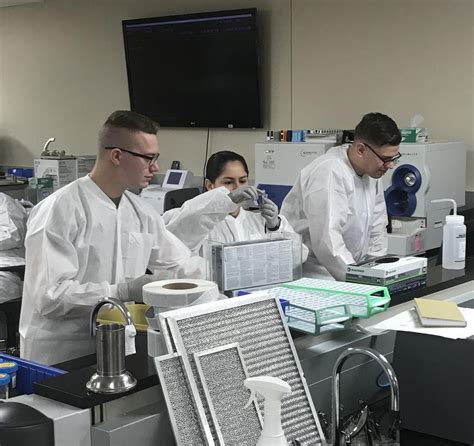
(62,171)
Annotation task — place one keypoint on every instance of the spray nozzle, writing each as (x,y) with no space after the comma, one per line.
(272,389)
(442,200)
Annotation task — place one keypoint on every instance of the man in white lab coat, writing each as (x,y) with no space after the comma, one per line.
(337,203)
(93,239)
(12,237)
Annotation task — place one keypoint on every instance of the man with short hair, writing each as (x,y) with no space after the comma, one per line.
(337,203)
(92,239)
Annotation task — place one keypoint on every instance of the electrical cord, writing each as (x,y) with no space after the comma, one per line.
(205,161)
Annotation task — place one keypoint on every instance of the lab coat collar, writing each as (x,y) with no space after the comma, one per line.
(90,185)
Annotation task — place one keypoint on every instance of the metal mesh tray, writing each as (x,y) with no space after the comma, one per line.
(257,324)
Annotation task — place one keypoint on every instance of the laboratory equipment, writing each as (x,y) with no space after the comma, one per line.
(317,306)
(10,368)
(22,424)
(256,263)
(222,373)
(454,238)
(398,274)
(4,385)
(336,377)
(180,400)
(278,164)
(436,384)
(425,172)
(111,376)
(177,187)
(273,390)
(166,295)
(257,324)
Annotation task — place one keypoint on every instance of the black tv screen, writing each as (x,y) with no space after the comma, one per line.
(195,70)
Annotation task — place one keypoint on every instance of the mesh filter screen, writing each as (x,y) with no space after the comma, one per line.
(222,374)
(266,350)
(181,407)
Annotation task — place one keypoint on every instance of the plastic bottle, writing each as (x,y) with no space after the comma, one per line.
(10,367)
(273,390)
(4,385)
(454,239)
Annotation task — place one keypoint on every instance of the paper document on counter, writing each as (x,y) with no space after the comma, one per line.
(409,321)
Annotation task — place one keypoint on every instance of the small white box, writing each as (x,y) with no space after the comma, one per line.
(61,171)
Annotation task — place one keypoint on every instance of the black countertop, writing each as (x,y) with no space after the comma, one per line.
(438,279)
(70,388)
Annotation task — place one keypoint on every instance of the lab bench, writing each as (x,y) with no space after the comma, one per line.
(317,356)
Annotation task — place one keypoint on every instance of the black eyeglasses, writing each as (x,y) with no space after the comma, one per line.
(152,159)
(385,161)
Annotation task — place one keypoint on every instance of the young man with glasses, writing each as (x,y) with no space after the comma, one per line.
(337,203)
(92,239)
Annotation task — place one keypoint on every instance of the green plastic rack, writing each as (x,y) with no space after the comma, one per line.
(317,306)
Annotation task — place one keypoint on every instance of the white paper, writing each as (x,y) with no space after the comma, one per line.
(130,333)
(409,321)
(256,264)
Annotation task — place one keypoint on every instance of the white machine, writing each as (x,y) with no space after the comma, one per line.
(177,187)
(278,164)
(425,172)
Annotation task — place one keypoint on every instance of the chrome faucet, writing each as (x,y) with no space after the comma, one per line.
(111,375)
(336,373)
(108,301)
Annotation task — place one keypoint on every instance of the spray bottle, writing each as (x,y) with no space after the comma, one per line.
(273,390)
(454,239)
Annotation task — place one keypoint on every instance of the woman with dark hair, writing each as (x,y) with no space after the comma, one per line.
(219,214)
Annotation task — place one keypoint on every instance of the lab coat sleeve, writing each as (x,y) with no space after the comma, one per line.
(12,223)
(286,228)
(378,239)
(51,271)
(172,259)
(197,217)
(326,207)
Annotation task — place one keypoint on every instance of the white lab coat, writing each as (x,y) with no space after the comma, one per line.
(207,217)
(13,218)
(79,244)
(341,216)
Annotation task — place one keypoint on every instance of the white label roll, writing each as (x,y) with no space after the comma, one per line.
(178,293)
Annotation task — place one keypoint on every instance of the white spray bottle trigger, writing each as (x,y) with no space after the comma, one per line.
(252,397)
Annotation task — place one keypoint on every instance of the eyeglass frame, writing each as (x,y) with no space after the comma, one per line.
(384,161)
(152,159)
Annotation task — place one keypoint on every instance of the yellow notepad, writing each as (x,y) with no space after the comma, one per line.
(439,313)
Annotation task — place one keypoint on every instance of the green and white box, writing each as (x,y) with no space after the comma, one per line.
(61,171)
(387,270)
(412,134)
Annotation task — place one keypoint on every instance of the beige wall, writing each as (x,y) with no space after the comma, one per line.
(65,73)
(397,56)
(325,63)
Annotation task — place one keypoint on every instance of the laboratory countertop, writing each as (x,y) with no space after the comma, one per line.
(70,388)
(438,279)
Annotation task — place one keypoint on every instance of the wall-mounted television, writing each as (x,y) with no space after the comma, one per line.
(195,70)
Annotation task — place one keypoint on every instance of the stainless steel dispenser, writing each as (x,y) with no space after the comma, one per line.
(111,376)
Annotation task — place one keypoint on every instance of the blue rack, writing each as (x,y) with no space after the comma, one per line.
(29,373)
